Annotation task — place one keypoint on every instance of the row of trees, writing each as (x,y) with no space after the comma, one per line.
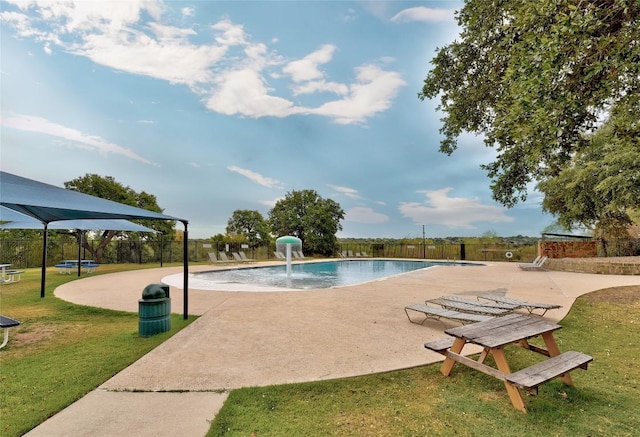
(303,214)
(554,87)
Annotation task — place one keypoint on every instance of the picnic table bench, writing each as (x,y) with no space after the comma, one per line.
(498,332)
(66,266)
(5,324)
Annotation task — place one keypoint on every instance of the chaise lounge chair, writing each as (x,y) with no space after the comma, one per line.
(243,256)
(529,306)
(212,257)
(535,265)
(223,256)
(474,307)
(436,313)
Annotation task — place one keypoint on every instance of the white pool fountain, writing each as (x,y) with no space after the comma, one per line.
(287,245)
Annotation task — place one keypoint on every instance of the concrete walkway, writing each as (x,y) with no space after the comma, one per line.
(257,339)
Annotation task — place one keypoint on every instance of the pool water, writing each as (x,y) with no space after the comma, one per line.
(309,275)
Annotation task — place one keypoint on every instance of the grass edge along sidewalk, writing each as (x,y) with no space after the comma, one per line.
(62,351)
(420,401)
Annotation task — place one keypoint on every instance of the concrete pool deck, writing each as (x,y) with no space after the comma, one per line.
(257,339)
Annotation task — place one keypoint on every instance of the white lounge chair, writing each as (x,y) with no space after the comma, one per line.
(534,265)
(535,261)
(212,257)
(223,256)
(243,256)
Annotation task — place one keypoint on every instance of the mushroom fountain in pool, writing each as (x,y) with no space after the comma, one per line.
(288,243)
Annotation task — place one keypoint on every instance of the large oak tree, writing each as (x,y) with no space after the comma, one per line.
(249,224)
(535,78)
(107,187)
(308,216)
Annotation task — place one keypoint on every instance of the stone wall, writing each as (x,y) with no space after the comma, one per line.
(568,249)
(626,265)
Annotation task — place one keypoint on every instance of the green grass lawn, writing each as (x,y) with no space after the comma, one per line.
(61,351)
(421,402)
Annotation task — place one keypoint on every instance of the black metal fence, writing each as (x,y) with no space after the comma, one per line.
(25,253)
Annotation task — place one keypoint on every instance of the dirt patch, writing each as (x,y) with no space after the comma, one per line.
(628,295)
(35,334)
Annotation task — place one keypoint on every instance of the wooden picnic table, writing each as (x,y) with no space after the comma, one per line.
(496,333)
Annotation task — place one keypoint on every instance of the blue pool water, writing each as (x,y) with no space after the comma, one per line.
(309,275)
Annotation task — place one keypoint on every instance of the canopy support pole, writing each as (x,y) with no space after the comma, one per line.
(44,259)
(185,275)
(79,251)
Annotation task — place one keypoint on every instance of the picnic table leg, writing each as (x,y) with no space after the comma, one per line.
(512,390)
(553,349)
(448,363)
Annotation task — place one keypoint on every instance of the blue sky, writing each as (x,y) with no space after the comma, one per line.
(214,106)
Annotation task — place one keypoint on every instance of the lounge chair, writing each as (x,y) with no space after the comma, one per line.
(243,256)
(536,265)
(236,256)
(223,256)
(279,255)
(436,313)
(470,307)
(529,306)
(343,254)
(350,253)
(364,254)
(212,257)
(505,306)
(535,261)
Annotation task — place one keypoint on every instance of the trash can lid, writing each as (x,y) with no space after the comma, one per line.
(154,291)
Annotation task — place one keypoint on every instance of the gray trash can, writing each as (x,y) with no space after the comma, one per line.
(154,310)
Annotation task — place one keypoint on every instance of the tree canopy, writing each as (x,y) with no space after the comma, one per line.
(601,186)
(308,216)
(106,187)
(251,225)
(535,77)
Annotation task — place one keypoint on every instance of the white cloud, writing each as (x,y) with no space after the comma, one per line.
(453,212)
(306,69)
(78,139)
(244,92)
(229,72)
(256,177)
(424,14)
(373,93)
(349,192)
(361,214)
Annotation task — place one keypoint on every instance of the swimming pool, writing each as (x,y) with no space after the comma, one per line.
(304,276)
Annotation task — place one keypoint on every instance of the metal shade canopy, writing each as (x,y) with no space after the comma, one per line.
(47,203)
